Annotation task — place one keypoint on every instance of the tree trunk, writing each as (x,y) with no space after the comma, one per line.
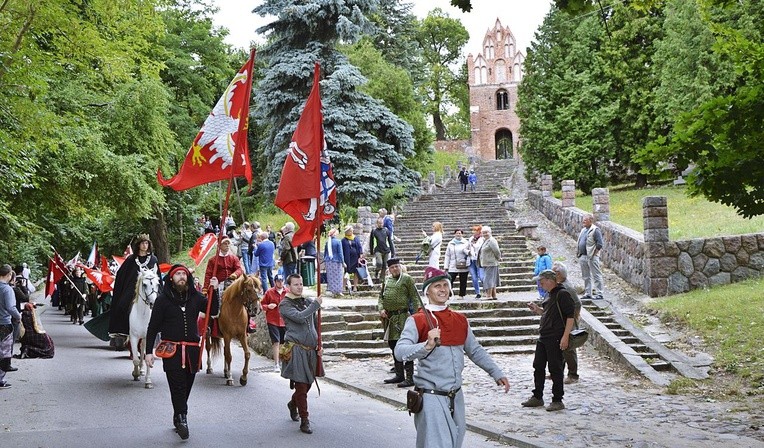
(158,234)
(641,180)
(440,128)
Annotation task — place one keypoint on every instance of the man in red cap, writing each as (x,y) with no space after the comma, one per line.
(175,312)
(228,264)
(439,338)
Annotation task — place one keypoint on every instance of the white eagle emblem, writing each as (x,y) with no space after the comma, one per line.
(220,126)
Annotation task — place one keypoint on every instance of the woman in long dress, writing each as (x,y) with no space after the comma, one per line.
(334,260)
(436,240)
(35,343)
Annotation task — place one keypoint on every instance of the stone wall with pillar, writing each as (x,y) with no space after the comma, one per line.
(568,193)
(650,260)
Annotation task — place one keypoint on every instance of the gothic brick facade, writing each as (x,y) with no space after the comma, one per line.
(494,75)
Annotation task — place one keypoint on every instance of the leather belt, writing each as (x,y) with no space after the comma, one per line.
(183,345)
(450,394)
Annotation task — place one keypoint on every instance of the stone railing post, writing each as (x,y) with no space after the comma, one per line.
(546,185)
(601,210)
(431,177)
(659,264)
(568,193)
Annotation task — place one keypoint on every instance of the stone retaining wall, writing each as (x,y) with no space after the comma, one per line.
(650,261)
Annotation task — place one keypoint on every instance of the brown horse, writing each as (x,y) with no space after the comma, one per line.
(243,294)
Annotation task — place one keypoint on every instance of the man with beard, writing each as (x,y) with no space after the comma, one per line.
(439,340)
(124,288)
(396,302)
(175,313)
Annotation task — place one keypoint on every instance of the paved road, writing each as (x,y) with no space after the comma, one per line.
(85,397)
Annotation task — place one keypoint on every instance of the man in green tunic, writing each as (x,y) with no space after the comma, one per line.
(396,302)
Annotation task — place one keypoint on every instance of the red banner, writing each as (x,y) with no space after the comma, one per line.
(307,191)
(104,281)
(221,144)
(203,246)
(56,270)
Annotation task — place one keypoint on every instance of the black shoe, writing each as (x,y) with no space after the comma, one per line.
(305,426)
(182,427)
(394,380)
(11,369)
(406,383)
(293,411)
(5,385)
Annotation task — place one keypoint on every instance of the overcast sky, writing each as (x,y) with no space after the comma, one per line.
(522,16)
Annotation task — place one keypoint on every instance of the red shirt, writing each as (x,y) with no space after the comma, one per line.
(273,316)
(453,326)
(227,265)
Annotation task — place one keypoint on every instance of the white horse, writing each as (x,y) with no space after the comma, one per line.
(146,291)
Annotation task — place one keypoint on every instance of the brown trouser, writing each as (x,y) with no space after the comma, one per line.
(300,398)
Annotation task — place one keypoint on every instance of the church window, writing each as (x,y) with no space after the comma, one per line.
(516,73)
(501,71)
(502,100)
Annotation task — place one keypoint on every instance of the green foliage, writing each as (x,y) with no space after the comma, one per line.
(688,216)
(366,141)
(441,40)
(442,159)
(731,321)
(394,197)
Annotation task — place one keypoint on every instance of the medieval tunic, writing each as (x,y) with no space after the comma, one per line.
(227,265)
(397,298)
(299,315)
(441,369)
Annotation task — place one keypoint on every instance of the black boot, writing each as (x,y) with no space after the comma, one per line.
(176,421)
(305,426)
(182,426)
(293,411)
(398,374)
(409,375)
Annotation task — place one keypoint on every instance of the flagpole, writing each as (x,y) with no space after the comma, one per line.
(223,216)
(238,197)
(65,275)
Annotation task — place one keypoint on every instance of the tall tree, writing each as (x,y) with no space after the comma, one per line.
(366,141)
(441,39)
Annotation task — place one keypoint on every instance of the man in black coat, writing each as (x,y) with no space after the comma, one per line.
(124,288)
(175,313)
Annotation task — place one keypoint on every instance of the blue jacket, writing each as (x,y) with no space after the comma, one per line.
(337,254)
(264,253)
(7,304)
(543,263)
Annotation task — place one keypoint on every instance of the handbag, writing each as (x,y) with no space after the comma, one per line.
(414,401)
(462,264)
(577,337)
(285,351)
(166,349)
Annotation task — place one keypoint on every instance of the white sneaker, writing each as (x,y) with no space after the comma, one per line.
(277,368)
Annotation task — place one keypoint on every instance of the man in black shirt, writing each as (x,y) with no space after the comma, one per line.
(175,313)
(556,312)
(380,242)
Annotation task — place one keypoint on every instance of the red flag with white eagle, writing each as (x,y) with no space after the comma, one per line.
(307,191)
(203,246)
(104,281)
(221,144)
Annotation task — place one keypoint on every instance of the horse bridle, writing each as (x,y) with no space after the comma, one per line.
(145,297)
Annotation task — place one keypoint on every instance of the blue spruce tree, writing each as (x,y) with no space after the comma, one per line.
(367,142)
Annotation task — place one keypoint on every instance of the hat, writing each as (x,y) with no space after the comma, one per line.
(393,262)
(278,278)
(546,273)
(432,275)
(176,268)
(225,238)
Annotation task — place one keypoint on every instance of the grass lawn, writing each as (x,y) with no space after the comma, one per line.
(688,217)
(731,321)
(441,159)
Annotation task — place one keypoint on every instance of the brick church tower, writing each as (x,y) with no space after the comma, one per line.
(494,76)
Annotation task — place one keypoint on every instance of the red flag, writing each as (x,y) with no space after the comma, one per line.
(164,268)
(105,264)
(307,191)
(222,140)
(203,246)
(104,281)
(119,260)
(56,269)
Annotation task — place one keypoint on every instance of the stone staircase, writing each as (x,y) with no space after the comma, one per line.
(506,327)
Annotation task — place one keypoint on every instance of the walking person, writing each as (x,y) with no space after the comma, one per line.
(543,262)
(334,260)
(476,272)
(276,326)
(389,223)
(554,330)
(264,255)
(472,179)
(457,261)
(397,301)
(569,355)
(175,313)
(301,338)
(440,351)
(463,179)
(589,247)
(380,242)
(352,250)
(436,240)
(488,258)
(9,315)
(124,288)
